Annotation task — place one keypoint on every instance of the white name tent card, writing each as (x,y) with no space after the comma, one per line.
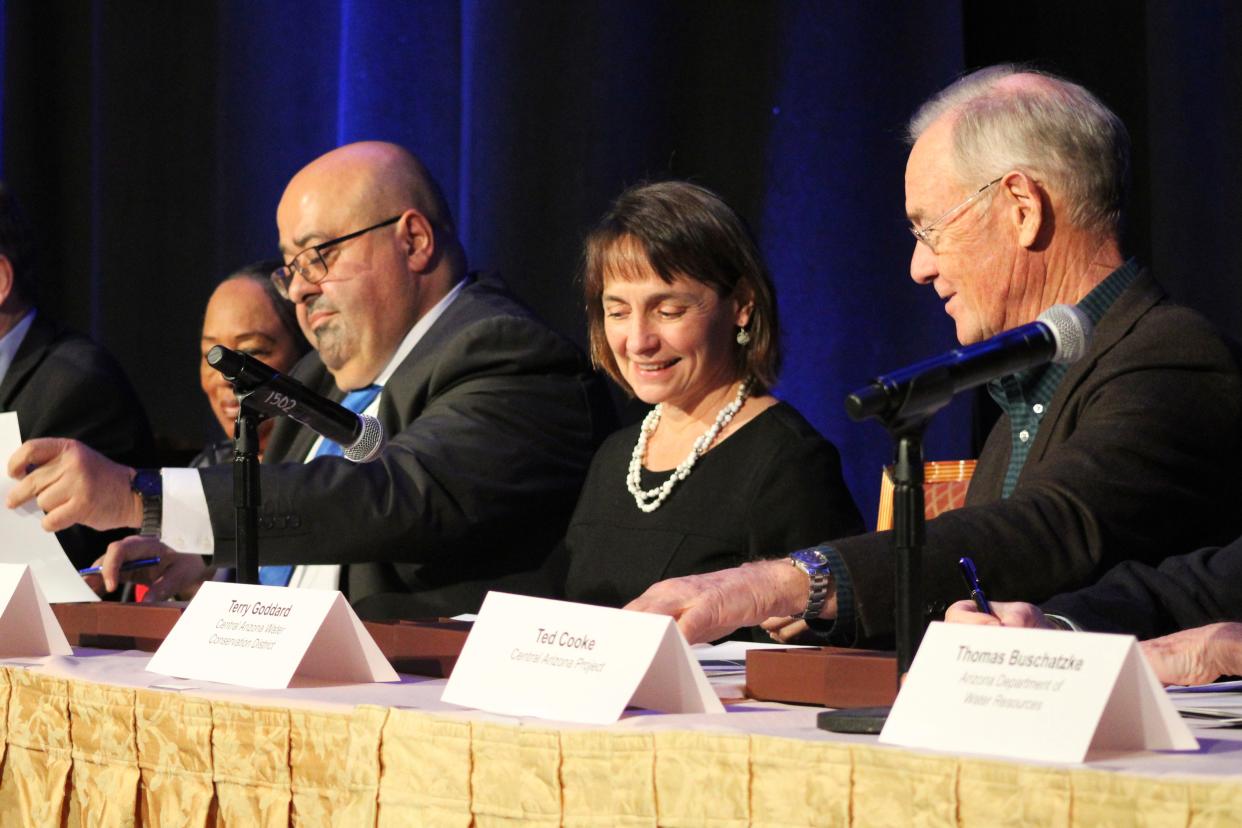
(27,625)
(22,539)
(575,662)
(1032,694)
(262,636)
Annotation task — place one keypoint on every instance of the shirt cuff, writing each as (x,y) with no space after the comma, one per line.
(186,524)
(1062,622)
(838,632)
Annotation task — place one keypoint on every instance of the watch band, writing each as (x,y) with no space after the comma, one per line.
(150,488)
(815,564)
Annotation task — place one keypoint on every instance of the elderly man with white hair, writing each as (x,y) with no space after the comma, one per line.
(1014,190)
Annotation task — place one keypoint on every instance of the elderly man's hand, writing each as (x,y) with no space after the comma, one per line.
(788,629)
(176,574)
(1008,614)
(73,484)
(1197,655)
(713,605)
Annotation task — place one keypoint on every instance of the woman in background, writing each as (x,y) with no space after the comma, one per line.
(682,315)
(244,313)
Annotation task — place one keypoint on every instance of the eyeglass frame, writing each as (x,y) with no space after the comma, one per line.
(922,234)
(282,276)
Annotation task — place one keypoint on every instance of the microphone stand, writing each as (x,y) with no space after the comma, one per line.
(908,535)
(246,495)
(909,532)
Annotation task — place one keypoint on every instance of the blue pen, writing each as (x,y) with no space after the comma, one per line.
(971,576)
(137,563)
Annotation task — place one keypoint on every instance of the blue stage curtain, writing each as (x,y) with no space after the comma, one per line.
(152,141)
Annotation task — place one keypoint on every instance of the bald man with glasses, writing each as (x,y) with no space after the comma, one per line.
(491,418)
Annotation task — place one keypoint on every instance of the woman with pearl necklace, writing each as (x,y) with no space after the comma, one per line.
(682,315)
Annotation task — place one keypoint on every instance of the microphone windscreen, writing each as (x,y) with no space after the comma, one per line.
(371,439)
(1071,329)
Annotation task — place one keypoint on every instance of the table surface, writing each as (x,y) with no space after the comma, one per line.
(1219,756)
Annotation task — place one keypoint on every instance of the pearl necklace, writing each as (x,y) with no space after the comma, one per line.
(649,501)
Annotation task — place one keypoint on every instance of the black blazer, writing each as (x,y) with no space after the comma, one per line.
(61,384)
(1184,591)
(1134,459)
(491,421)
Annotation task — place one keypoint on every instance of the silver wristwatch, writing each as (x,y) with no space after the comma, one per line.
(815,564)
(149,485)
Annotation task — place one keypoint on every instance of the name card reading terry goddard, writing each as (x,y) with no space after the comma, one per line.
(262,636)
(28,627)
(575,662)
(1032,694)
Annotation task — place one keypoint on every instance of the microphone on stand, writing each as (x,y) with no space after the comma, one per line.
(1060,334)
(264,389)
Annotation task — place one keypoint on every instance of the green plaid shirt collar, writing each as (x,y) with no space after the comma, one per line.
(1024,396)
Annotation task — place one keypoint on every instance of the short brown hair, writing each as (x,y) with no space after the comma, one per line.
(685,230)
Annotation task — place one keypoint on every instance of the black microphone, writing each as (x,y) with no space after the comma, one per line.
(262,388)
(1060,334)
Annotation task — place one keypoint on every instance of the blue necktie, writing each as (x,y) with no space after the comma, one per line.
(357,402)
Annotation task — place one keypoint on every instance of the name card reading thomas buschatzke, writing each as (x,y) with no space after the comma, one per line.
(1032,694)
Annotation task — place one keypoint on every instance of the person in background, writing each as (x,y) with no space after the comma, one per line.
(244,313)
(681,314)
(1015,185)
(60,383)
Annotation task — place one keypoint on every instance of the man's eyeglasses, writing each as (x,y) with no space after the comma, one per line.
(310,264)
(924,233)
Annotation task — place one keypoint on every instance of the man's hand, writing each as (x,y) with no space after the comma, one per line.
(176,573)
(1198,655)
(73,484)
(710,606)
(1008,614)
(787,629)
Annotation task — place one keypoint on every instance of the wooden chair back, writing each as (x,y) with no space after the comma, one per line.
(944,488)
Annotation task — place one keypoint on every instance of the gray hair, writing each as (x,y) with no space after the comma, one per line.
(1011,117)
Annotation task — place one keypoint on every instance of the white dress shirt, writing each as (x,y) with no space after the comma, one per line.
(11,341)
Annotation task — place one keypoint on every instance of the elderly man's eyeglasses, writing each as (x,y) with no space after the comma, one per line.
(310,264)
(924,233)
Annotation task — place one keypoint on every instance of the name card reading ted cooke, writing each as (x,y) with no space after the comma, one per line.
(575,662)
(28,627)
(1042,695)
(262,636)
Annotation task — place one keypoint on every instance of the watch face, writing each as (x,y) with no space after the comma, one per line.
(147,482)
(813,559)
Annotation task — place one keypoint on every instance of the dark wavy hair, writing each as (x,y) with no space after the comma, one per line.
(684,230)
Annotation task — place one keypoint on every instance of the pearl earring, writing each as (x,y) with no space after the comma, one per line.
(743,336)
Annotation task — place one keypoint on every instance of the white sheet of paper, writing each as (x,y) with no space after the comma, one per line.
(575,662)
(1032,694)
(28,627)
(1232,686)
(25,542)
(262,636)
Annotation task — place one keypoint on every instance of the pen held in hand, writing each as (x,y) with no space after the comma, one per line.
(128,566)
(971,576)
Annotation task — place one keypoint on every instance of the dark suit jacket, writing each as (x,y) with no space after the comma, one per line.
(492,420)
(1134,459)
(61,384)
(1182,592)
